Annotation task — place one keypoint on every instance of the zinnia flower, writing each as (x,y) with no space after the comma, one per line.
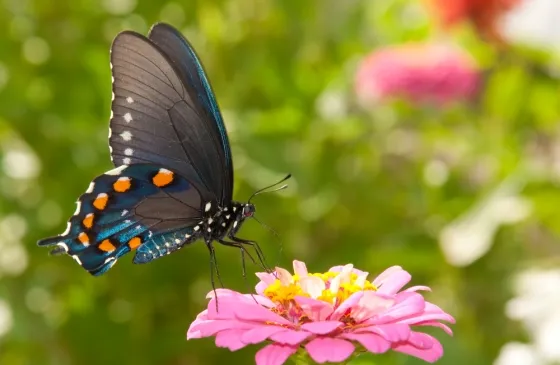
(331,316)
(417,72)
(485,15)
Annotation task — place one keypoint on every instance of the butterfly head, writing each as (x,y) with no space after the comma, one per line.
(248,210)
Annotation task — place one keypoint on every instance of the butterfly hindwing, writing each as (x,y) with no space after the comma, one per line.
(141,206)
(158,118)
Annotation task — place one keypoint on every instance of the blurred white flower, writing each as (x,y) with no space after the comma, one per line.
(537,306)
(515,353)
(470,236)
(6,318)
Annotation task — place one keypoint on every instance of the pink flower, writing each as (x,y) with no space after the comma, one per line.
(329,315)
(417,72)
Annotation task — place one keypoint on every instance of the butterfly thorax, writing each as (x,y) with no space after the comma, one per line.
(218,221)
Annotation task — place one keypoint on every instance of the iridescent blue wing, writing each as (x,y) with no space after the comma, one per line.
(183,56)
(159,117)
(143,206)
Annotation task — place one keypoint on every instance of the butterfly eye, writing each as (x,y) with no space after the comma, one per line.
(248,210)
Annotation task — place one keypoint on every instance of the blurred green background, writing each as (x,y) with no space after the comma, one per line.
(464,195)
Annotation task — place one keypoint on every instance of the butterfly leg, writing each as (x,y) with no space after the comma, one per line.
(243,252)
(214,265)
(257,248)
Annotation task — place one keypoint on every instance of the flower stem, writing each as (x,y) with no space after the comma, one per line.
(302,358)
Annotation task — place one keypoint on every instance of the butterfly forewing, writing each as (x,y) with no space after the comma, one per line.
(157,120)
(191,72)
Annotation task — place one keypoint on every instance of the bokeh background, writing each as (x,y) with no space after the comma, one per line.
(420,133)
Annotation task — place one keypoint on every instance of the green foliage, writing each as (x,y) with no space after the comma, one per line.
(363,190)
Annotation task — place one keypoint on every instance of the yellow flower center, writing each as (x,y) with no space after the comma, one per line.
(280,293)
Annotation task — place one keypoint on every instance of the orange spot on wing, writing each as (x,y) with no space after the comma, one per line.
(101,201)
(88,221)
(107,246)
(162,178)
(122,184)
(83,238)
(134,243)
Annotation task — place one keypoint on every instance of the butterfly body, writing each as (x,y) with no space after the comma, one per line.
(173,181)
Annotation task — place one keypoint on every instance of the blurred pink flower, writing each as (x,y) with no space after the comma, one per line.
(418,72)
(325,314)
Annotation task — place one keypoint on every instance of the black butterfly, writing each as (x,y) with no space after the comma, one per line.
(173,180)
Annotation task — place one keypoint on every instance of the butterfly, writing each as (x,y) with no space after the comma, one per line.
(173,178)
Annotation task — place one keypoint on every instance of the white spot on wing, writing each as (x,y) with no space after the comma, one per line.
(90,187)
(210,220)
(187,235)
(209,229)
(234,224)
(124,212)
(227,216)
(177,241)
(207,206)
(77,259)
(126,135)
(196,228)
(110,133)
(127,117)
(128,151)
(126,161)
(67,230)
(116,171)
(223,224)
(63,245)
(129,100)
(78,207)
(112,96)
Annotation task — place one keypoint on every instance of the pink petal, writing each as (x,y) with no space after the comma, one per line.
(418,288)
(290,337)
(300,269)
(355,271)
(312,285)
(394,282)
(211,327)
(316,310)
(222,292)
(259,299)
(371,342)
(267,279)
(284,276)
(257,313)
(391,332)
(378,281)
(349,303)
(430,355)
(274,354)
(323,349)
(436,324)
(230,339)
(407,305)
(370,305)
(260,333)
(420,340)
(321,328)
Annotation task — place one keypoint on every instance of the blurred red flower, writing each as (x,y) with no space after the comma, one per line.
(419,73)
(484,14)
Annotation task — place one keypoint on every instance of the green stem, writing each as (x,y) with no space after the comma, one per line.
(302,358)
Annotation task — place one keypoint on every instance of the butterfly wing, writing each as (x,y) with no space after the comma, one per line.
(186,62)
(159,118)
(142,206)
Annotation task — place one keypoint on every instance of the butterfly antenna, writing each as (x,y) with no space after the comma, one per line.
(260,191)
